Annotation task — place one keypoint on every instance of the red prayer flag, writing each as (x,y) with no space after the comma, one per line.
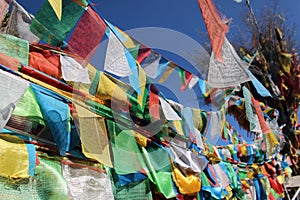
(216,28)
(153,103)
(143,53)
(45,61)
(188,78)
(87,35)
(262,122)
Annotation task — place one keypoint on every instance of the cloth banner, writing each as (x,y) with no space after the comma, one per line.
(4,4)
(85,182)
(14,47)
(49,28)
(248,106)
(45,61)
(93,136)
(12,88)
(168,111)
(115,58)
(57,115)
(14,160)
(216,28)
(151,64)
(87,35)
(19,23)
(73,71)
(230,73)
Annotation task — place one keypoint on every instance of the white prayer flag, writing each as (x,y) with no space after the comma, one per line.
(168,111)
(115,59)
(12,88)
(230,73)
(73,71)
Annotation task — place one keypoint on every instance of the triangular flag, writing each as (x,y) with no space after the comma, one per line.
(154,103)
(170,68)
(185,78)
(141,98)
(57,7)
(230,73)
(264,126)
(193,81)
(215,26)
(168,111)
(115,59)
(151,64)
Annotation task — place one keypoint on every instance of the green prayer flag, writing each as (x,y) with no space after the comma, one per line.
(133,191)
(14,47)
(29,107)
(49,28)
(159,170)
(249,111)
(126,152)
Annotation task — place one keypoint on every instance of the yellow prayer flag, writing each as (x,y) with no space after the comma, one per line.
(57,7)
(128,42)
(14,161)
(142,80)
(93,136)
(168,72)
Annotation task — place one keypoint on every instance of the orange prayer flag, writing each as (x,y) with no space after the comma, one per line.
(216,28)
(264,126)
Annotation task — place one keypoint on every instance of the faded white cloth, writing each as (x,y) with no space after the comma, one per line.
(115,60)
(230,73)
(168,111)
(73,71)
(19,23)
(86,183)
(12,88)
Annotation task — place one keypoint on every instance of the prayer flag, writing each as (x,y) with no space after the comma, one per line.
(264,126)
(4,4)
(231,72)
(216,28)
(154,107)
(87,35)
(168,111)
(19,23)
(57,7)
(248,106)
(49,28)
(170,68)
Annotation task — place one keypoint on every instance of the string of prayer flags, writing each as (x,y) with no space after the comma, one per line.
(185,78)
(168,111)
(3,9)
(14,47)
(231,72)
(49,28)
(151,64)
(125,150)
(215,26)
(82,42)
(168,71)
(115,59)
(19,23)
(194,81)
(12,88)
(73,71)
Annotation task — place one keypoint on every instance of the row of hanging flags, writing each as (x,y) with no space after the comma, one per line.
(54,100)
